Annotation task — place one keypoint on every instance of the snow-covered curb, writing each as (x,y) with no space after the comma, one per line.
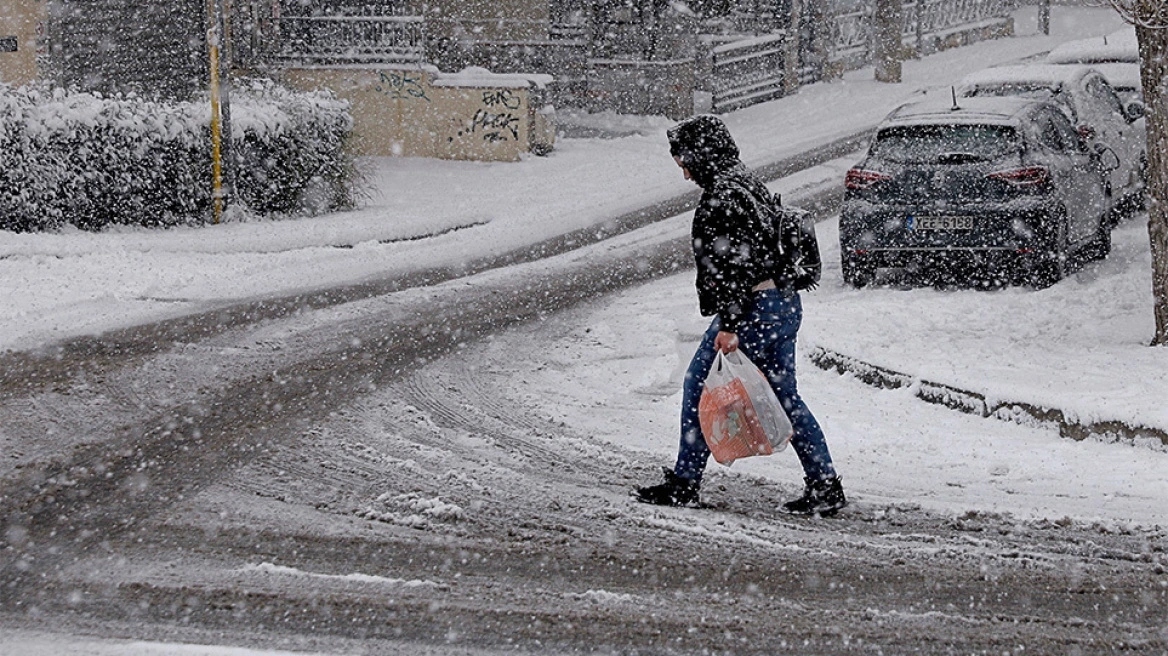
(983,405)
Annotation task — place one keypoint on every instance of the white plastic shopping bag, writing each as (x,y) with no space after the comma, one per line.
(739,412)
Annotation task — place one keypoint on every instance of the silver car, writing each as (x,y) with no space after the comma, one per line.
(1093,107)
(1115,55)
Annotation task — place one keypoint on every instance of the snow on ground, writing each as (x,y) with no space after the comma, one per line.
(28,643)
(1078,346)
(614,370)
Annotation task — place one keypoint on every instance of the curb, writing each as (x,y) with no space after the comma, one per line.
(975,403)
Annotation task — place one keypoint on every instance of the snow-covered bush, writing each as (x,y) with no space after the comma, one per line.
(290,149)
(91,161)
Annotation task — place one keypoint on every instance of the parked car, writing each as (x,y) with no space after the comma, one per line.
(1115,55)
(1119,46)
(1090,103)
(1001,188)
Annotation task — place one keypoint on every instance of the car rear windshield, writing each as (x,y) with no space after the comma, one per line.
(952,144)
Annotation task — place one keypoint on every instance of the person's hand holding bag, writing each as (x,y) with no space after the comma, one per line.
(726,342)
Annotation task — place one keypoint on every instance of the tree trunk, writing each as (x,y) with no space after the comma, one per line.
(888,21)
(812,17)
(1154,74)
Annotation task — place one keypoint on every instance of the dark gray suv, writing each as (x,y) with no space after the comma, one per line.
(1001,189)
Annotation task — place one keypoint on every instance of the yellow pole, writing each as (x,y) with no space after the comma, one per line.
(216,129)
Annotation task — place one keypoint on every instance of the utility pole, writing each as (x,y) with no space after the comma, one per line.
(221,169)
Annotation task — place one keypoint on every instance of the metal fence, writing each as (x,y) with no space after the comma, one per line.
(152,48)
(748,71)
(754,61)
(353,38)
(936,16)
(851,26)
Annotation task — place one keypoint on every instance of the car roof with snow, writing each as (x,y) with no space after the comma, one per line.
(1054,76)
(938,110)
(1120,46)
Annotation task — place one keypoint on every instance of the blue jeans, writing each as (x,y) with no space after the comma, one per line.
(766,336)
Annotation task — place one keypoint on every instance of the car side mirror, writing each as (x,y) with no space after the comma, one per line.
(1108,160)
(1134,111)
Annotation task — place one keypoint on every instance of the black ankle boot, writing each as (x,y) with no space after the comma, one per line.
(823,498)
(675,491)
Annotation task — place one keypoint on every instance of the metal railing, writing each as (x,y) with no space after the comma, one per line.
(353,38)
(852,26)
(748,71)
(935,16)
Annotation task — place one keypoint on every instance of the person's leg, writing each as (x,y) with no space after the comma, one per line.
(683,482)
(692,453)
(768,339)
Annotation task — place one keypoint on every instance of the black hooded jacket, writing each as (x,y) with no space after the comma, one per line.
(731,245)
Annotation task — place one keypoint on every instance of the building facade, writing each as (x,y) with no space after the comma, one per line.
(157,49)
(22,43)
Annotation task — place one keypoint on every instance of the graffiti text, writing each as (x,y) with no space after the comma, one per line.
(402,85)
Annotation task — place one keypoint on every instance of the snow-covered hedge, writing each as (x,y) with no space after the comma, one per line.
(91,161)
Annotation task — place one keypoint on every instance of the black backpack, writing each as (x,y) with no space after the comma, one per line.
(797,261)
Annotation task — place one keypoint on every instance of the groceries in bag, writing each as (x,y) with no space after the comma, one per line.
(739,412)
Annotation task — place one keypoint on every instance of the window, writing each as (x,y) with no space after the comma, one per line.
(953,144)
(1067,134)
(1046,133)
(1102,93)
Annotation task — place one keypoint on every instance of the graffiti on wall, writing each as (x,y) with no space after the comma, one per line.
(505,98)
(495,121)
(402,85)
(495,127)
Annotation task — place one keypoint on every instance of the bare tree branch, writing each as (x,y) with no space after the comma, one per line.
(1151,14)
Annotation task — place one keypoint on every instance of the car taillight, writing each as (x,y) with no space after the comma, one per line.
(864,179)
(1028,176)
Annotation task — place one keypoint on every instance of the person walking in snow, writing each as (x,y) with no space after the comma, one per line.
(751,291)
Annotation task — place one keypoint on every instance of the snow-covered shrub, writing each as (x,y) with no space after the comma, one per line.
(29,175)
(290,149)
(91,161)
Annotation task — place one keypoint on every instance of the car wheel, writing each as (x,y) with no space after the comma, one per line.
(1099,247)
(857,271)
(1051,262)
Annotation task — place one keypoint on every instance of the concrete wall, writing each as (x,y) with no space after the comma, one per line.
(420,112)
(642,87)
(20,22)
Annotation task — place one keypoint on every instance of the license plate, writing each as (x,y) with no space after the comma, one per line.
(941,223)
